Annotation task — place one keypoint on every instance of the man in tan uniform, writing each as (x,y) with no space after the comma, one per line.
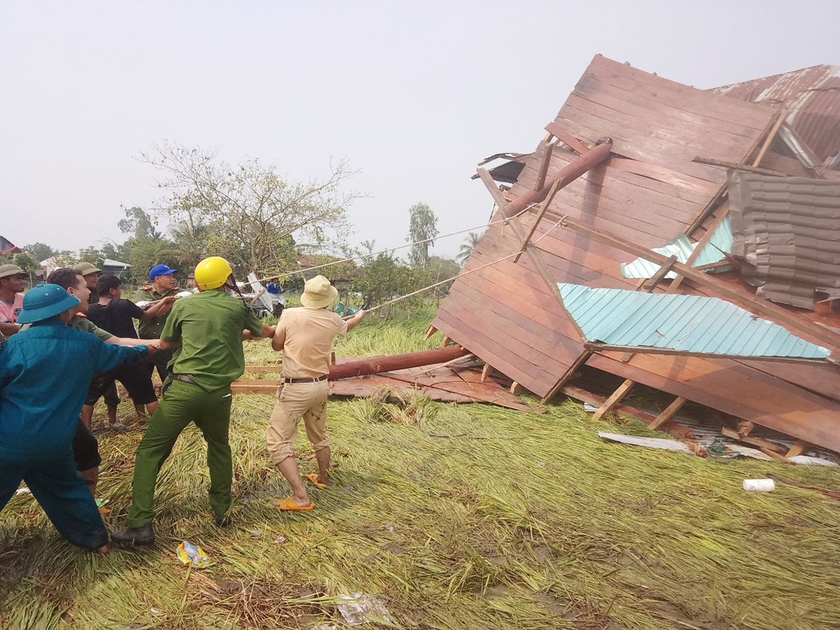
(305,336)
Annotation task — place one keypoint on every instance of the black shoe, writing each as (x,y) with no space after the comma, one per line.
(144,535)
(221,520)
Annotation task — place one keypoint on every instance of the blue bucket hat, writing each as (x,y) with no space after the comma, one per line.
(160,270)
(45,301)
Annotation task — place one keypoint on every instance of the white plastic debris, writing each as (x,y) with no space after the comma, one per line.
(359,608)
(759,485)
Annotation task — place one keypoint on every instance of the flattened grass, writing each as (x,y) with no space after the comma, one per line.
(454,517)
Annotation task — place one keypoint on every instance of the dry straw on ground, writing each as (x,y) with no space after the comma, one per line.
(453,517)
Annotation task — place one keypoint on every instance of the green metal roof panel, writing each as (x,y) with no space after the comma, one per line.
(682,248)
(683,323)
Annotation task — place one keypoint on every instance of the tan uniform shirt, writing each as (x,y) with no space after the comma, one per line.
(307,335)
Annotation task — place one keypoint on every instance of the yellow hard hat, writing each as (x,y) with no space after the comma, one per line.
(212,272)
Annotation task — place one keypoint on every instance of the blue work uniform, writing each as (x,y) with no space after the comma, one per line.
(44,375)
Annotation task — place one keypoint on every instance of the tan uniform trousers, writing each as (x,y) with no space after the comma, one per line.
(296,401)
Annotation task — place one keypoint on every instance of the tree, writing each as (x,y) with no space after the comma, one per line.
(422,226)
(252,215)
(146,246)
(39,251)
(467,248)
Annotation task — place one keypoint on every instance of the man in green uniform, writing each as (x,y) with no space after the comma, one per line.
(206,332)
(163,289)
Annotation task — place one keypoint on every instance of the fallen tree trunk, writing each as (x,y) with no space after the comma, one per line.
(374,365)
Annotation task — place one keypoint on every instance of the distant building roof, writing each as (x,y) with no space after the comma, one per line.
(7,247)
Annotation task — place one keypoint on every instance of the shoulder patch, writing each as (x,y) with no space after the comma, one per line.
(147,287)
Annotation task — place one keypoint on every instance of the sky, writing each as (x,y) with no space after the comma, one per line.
(412,94)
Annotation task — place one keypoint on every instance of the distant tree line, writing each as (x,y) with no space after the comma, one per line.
(261,222)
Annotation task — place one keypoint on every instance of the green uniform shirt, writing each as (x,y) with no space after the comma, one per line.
(84,324)
(209,326)
(152,328)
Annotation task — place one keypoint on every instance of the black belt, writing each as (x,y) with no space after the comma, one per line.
(310,379)
(183,377)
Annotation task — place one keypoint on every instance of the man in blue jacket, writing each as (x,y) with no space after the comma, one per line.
(44,374)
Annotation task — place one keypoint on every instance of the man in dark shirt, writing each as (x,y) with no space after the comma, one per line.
(116,315)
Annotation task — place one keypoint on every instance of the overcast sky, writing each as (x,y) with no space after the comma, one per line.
(413,94)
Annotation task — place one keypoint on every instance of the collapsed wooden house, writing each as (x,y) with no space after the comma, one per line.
(632,161)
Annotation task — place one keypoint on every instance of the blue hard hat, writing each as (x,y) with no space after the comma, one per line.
(160,270)
(45,301)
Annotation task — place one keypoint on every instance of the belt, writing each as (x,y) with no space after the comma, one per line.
(183,377)
(310,379)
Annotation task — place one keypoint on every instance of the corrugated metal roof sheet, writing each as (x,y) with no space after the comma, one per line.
(813,94)
(787,229)
(681,247)
(688,324)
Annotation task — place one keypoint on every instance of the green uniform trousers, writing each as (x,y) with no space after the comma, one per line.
(181,404)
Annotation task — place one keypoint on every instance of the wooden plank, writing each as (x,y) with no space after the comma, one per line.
(667,413)
(568,139)
(431,330)
(544,155)
(614,399)
(485,372)
(516,389)
(675,94)
(797,449)
(755,441)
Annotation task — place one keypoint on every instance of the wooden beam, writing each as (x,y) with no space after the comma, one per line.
(698,249)
(540,214)
(516,388)
(445,341)
(485,372)
(744,427)
(768,140)
(569,373)
(650,284)
(614,399)
(547,149)
(738,167)
(431,330)
(751,303)
(667,413)
(374,365)
(597,346)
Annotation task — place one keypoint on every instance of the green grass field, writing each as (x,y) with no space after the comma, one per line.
(459,517)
